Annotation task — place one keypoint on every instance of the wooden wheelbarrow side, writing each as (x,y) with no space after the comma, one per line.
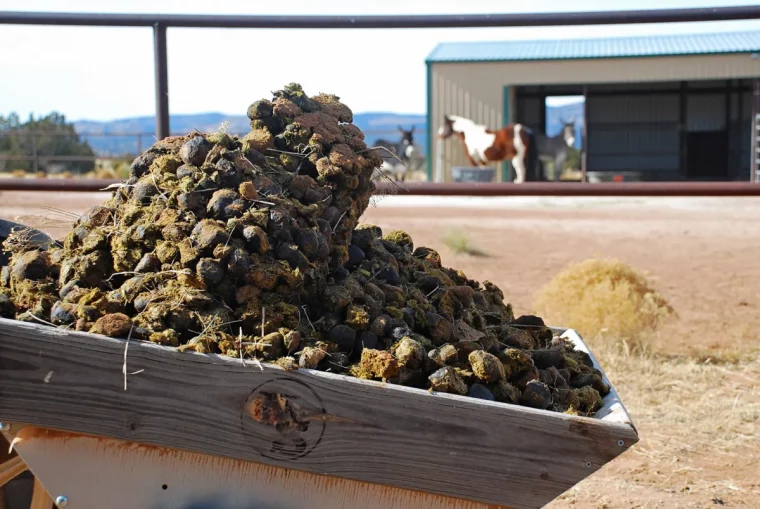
(274,434)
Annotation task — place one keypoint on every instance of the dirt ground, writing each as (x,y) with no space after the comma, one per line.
(695,400)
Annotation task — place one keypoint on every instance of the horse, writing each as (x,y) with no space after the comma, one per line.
(482,145)
(555,149)
(398,156)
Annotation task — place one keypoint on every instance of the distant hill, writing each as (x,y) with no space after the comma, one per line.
(105,139)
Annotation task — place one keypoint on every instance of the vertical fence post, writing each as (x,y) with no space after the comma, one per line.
(34,153)
(162,81)
(584,140)
(755,133)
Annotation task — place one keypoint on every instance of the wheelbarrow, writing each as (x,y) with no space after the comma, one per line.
(112,423)
(36,237)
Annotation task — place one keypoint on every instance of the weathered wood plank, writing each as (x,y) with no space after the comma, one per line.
(340,426)
(613,409)
(40,497)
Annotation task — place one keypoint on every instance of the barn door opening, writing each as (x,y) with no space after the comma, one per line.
(707,155)
(560,161)
(707,139)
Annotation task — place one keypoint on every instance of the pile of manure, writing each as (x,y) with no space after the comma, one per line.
(251,247)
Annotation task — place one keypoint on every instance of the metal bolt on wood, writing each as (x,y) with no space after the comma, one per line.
(621,443)
(4,426)
(61,501)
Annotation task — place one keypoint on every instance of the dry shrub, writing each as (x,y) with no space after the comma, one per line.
(19,174)
(105,173)
(457,241)
(606,301)
(122,170)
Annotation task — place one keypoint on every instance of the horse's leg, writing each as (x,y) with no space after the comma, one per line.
(470,159)
(559,165)
(518,163)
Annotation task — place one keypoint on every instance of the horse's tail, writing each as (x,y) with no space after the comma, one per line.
(532,168)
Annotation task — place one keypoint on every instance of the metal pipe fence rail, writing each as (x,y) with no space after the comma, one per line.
(135,140)
(160,22)
(692,189)
(609,17)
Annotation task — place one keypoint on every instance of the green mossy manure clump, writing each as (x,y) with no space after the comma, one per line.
(251,247)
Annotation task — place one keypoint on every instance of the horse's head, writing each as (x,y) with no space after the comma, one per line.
(407,137)
(568,131)
(447,128)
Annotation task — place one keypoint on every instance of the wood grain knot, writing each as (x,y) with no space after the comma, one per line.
(278,410)
(284,418)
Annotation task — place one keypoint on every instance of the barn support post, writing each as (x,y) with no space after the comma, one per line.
(506,166)
(754,132)
(682,151)
(739,123)
(430,128)
(584,138)
(730,172)
(162,81)
(542,96)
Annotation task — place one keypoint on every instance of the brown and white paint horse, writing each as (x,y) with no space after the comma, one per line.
(514,142)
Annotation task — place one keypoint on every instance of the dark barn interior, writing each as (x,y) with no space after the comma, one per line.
(683,130)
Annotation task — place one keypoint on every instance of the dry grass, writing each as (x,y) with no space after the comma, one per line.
(717,405)
(698,416)
(606,301)
(456,240)
(699,425)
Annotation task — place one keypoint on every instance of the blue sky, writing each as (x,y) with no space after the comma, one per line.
(107,73)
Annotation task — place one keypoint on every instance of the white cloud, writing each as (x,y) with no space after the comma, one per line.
(563,100)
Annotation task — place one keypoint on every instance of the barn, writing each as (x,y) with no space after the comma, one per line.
(655,108)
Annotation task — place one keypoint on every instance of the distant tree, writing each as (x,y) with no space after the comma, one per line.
(54,137)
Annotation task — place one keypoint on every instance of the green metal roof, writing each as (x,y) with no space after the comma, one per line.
(609,47)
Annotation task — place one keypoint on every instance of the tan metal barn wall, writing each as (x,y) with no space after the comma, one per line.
(464,98)
(475,89)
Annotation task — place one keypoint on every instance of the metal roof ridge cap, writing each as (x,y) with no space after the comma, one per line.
(602,38)
(590,57)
